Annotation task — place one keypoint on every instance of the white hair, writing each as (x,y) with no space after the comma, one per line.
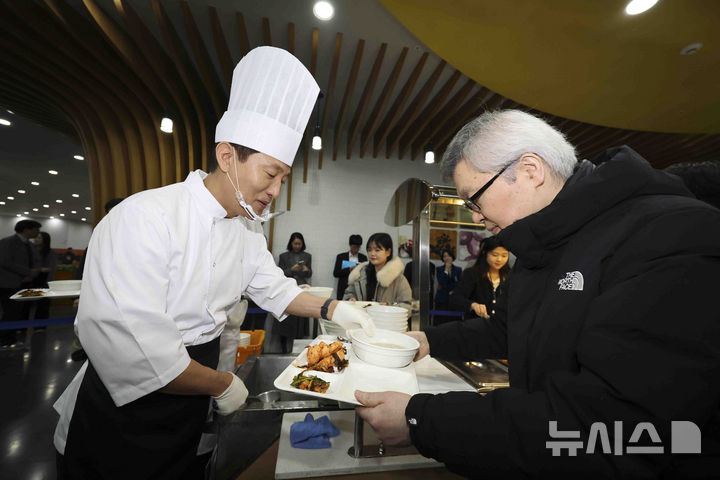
(496,139)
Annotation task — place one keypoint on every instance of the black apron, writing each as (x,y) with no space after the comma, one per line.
(153,437)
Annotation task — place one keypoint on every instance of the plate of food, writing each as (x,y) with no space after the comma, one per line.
(328,368)
(30,293)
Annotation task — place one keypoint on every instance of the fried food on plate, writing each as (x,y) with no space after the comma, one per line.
(317,352)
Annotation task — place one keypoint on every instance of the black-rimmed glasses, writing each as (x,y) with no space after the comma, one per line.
(470,202)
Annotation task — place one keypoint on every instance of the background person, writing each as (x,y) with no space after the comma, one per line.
(480,285)
(46,260)
(380,279)
(587,322)
(295,263)
(448,276)
(17,271)
(352,255)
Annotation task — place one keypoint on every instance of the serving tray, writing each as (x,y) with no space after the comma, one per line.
(358,375)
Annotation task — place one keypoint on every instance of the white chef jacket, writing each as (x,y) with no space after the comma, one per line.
(163,269)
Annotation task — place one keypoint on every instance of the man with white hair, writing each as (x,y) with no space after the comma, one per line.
(610,323)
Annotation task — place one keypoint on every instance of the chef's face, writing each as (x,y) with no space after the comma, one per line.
(377,254)
(497,258)
(260,178)
(504,202)
(296,245)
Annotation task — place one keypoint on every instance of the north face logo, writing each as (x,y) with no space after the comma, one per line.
(572,281)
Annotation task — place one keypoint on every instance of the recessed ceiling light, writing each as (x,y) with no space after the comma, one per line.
(18,215)
(51,216)
(46,205)
(2,203)
(87,208)
(35,183)
(35,209)
(323,10)
(83,219)
(73,211)
(62,214)
(78,157)
(635,7)
(21,191)
(11,112)
(7,123)
(26,213)
(11,198)
(52,172)
(58,201)
(76,195)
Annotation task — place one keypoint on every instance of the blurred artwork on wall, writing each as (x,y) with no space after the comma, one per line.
(470,242)
(442,240)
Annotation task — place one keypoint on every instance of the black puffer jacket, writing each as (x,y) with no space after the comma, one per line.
(612,315)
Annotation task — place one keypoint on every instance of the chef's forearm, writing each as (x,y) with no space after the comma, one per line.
(306,305)
(197,379)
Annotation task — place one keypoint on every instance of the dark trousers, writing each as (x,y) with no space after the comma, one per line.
(10,313)
(153,437)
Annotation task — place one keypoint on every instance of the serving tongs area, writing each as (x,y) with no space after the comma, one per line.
(360,450)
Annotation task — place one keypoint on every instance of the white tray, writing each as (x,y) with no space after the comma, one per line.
(358,375)
(47,294)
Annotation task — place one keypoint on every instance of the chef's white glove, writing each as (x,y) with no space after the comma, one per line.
(348,317)
(232,398)
(237,316)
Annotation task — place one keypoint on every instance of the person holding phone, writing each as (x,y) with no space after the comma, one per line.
(295,263)
(346,262)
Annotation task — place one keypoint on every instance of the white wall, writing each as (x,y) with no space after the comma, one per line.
(345,197)
(63,233)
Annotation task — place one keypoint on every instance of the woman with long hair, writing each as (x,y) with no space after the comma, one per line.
(448,276)
(476,293)
(381,278)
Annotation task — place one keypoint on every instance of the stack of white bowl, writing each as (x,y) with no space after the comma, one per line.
(389,318)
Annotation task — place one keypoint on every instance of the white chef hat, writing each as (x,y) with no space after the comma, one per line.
(271,99)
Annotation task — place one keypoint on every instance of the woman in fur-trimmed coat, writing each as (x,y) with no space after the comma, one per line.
(381,278)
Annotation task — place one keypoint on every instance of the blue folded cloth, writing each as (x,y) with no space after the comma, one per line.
(312,433)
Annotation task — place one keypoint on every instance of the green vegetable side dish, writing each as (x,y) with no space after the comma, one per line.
(311,383)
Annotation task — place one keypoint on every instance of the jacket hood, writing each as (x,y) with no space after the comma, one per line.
(588,193)
(385,277)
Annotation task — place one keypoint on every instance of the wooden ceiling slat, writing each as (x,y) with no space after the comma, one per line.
(381,103)
(329,96)
(691,147)
(345,105)
(221,48)
(413,110)
(192,83)
(291,38)
(242,34)
(710,151)
(462,115)
(595,146)
(187,148)
(428,114)
(397,107)
(355,124)
(443,116)
(218,97)
(589,133)
(267,37)
(310,126)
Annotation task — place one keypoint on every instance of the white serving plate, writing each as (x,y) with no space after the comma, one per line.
(47,294)
(358,375)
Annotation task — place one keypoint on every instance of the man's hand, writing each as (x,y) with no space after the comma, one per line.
(385,412)
(232,398)
(424,345)
(348,317)
(296,267)
(479,309)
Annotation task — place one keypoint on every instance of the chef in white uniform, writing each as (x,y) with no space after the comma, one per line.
(164,268)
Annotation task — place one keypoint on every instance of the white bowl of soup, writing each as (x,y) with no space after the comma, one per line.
(385,348)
